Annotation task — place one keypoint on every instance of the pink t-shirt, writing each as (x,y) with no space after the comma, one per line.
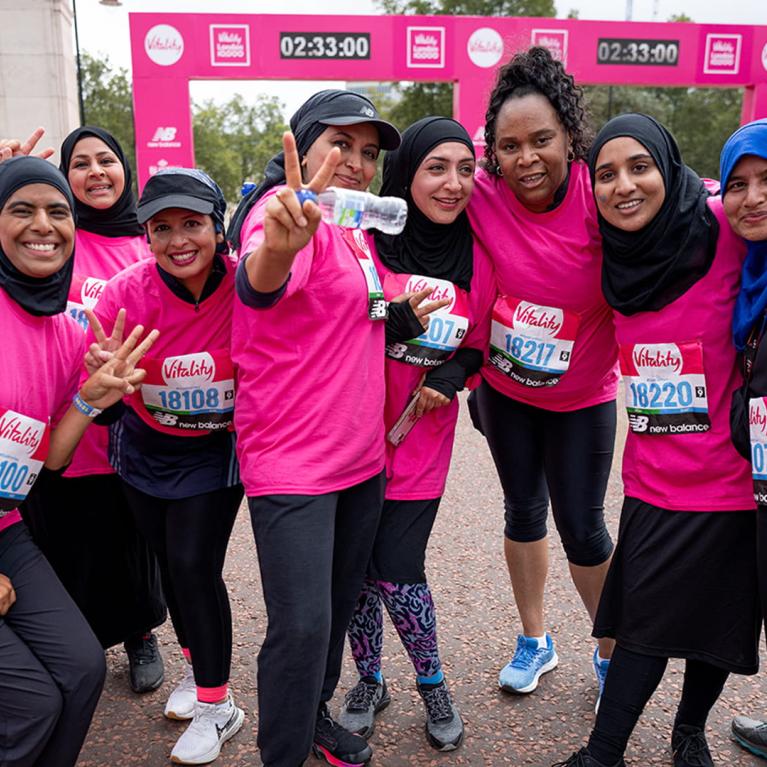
(310,374)
(97,259)
(189,386)
(552,337)
(45,357)
(417,468)
(680,372)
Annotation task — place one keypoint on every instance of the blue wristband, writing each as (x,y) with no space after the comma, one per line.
(305,194)
(84,407)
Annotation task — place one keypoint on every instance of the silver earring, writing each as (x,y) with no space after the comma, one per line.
(498,171)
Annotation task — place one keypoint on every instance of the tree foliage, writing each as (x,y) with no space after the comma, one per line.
(108,102)
(233,141)
(701,119)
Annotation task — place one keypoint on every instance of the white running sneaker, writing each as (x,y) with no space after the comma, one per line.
(182,700)
(213,725)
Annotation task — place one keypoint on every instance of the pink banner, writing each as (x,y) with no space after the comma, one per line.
(169,50)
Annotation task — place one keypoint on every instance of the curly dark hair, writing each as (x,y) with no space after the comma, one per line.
(535,71)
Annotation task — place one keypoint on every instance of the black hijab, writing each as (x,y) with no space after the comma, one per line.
(119,220)
(41,296)
(444,251)
(328,107)
(648,269)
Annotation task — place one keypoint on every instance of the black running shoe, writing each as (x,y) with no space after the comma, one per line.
(690,748)
(584,759)
(145,666)
(361,705)
(336,745)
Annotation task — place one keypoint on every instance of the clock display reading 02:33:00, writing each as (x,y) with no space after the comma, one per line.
(626,50)
(324,45)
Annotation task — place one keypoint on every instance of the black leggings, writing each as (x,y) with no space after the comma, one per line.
(566,455)
(190,537)
(631,681)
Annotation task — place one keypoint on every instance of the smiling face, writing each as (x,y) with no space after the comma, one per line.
(95,174)
(184,243)
(531,146)
(37,230)
(360,147)
(628,185)
(442,185)
(745,198)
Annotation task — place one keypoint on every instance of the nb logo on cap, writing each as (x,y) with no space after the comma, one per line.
(367,111)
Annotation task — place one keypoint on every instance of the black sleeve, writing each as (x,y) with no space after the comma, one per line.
(251,297)
(450,378)
(110,415)
(401,323)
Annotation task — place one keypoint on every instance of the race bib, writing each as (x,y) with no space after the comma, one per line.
(447,326)
(757,419)
(23,450)
(665,388)
(84,292)
(377,308)
(532,344)
(191,392)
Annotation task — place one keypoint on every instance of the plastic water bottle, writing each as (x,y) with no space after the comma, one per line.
(359,210)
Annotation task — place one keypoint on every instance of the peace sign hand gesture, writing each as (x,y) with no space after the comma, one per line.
(11,147)
(119,375)
(104,348)
(289,224)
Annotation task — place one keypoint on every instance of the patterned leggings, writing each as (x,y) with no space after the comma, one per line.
(411,609)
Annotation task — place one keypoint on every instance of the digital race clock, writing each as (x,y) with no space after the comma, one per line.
(628,50)
(324,45)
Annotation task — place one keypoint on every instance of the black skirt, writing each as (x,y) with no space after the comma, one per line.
(85,529)
(683,584)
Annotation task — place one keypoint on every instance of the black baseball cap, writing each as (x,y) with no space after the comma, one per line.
(187,188)
(349,108)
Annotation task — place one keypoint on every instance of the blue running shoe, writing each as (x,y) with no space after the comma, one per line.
(521,675)
(600,669)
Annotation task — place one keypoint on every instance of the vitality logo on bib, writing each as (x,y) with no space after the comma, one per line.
(530,343)
(665,388)
(190,392)
(23,450)
(447,326)
(84,293)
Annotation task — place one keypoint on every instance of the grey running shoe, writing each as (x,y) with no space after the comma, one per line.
(751,734)
(362,703)
(444,726)
(145,667)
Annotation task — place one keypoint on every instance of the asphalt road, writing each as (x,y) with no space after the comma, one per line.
(477,630)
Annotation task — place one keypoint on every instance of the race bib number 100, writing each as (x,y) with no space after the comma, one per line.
(532,344)
(665,388)
(23,450)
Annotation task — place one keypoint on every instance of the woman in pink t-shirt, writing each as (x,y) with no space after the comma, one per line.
(433,170)
(101,558)
(173,443)
(51,664)
(682,582)
(547,403)
(308,344)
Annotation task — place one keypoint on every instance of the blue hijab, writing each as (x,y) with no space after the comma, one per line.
(750,139)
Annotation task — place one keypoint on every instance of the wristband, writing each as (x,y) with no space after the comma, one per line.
(305,194)
(84,407)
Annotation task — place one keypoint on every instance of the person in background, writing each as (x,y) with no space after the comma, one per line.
(547,401)
(81,520)
(744,198)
